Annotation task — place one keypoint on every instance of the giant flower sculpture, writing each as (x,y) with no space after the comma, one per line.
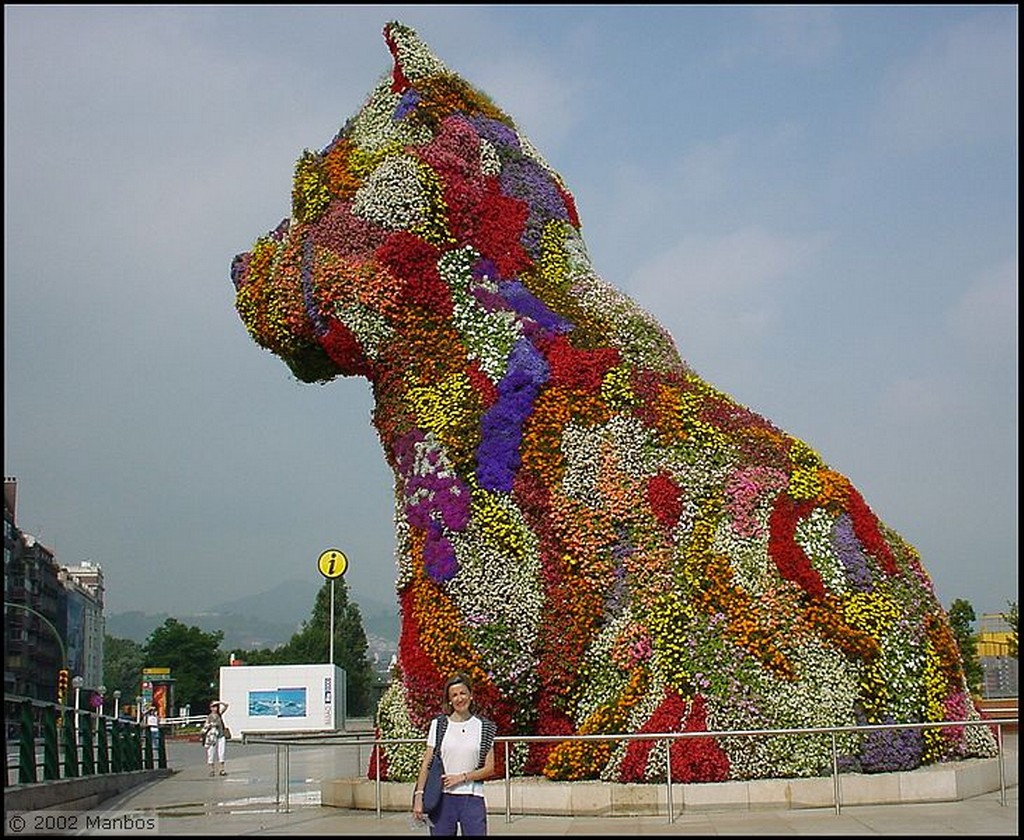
(601,539)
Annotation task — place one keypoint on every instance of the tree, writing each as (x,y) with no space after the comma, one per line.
(1010,617)
(961,618)
(122,667)
(312,644)
(193,656)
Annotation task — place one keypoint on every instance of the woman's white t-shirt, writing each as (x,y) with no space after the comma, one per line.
(460,751)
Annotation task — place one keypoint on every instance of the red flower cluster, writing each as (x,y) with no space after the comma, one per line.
(665,499)
(691,759)
(341,345)
(865,526)
(579,369)
(792,562)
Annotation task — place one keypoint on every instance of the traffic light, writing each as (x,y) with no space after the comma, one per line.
(62,685)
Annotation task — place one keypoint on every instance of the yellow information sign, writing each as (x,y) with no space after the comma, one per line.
(332,563)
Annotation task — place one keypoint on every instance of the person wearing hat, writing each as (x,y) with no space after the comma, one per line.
(215,735)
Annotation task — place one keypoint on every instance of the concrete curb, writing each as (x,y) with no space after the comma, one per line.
(79,794)
(535,796)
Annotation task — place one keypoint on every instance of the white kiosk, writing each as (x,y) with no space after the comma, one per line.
(283,698)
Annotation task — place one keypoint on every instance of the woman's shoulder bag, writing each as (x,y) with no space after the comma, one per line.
(433,787)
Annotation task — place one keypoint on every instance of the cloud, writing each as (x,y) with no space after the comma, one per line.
(539,96)
(709,288)
(796,35)
(959,87)
(984,319)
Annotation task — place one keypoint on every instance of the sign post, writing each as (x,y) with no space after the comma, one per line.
(332,564)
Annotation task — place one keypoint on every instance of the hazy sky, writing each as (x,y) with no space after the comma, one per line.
(818,202)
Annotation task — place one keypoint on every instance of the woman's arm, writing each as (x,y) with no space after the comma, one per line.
(421,780)
(481,773)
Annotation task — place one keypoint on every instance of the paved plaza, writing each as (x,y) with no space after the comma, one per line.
(267,793)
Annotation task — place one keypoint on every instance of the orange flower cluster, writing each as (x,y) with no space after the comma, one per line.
(947,650)
(748,625)
(575,760)
(825,617)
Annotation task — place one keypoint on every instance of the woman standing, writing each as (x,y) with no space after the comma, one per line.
(215,735)
(467,752)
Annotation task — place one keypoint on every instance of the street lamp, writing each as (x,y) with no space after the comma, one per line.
(101,707)
(77,682)
(117,703)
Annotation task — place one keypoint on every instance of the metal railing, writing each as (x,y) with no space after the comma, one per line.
(54,741)
(507,741)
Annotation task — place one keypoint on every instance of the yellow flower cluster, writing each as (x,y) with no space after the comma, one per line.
(501,526)
(873,612)
(933,683)
(803,455)
(444,407)
(310,192)
(804,484)
(553,262)
(434,227)
(616,389)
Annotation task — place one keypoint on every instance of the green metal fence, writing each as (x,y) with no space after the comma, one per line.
(47,741)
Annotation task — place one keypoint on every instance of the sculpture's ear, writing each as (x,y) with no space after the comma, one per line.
(413,58)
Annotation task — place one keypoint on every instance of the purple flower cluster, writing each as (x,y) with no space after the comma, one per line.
(308,298)
(528,181)
(524,303)
(435,500)
(847,546)
(410,99)
(498,457)
(890,750)
(497,133)
(438,555)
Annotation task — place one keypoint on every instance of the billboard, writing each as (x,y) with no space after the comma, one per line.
(283,698)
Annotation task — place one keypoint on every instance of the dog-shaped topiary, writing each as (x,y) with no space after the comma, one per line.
(604,542)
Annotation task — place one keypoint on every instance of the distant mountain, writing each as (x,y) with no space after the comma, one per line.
(265,620)
(290,602)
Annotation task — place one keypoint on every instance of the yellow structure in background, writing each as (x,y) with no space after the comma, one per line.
(993,635)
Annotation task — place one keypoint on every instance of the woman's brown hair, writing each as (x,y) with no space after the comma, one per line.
(458,679)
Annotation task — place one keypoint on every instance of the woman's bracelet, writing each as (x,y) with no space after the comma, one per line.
(417,793)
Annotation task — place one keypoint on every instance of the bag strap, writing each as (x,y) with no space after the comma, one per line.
(442,727)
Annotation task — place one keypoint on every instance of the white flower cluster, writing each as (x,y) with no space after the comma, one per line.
(642,341)
(490,162)
(392,197)
(369,326)
(752,567)
(634,446)
(814,536)
(506,589)
(605,680)
(375,128)
(403,759)
(825,693)
(415,58)
(488,336)
(581,448)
